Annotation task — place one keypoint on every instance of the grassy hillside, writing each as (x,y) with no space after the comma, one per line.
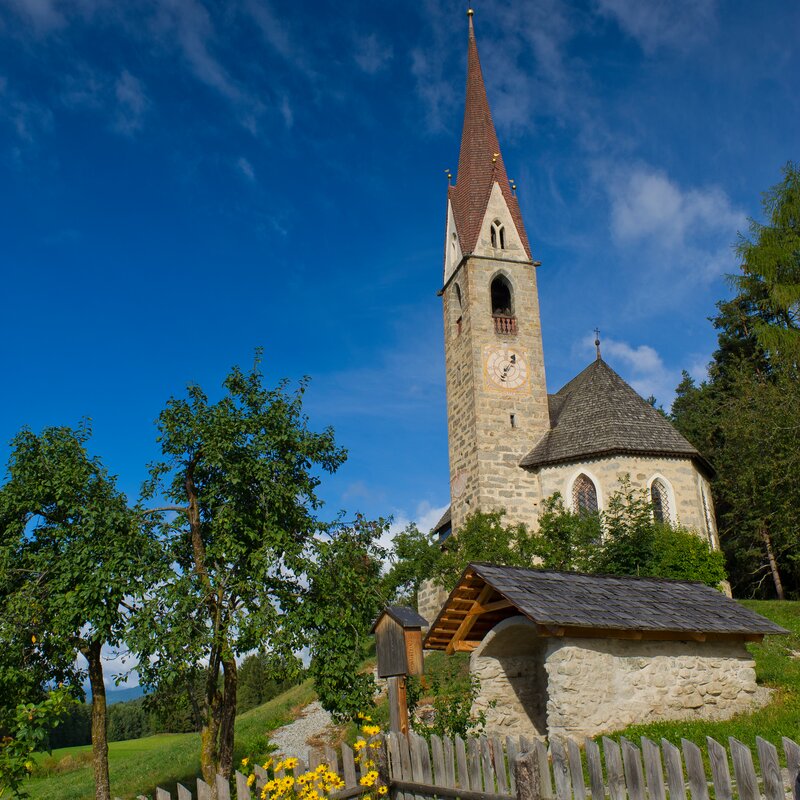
(137,766)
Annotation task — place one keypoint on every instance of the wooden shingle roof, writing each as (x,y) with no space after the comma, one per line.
(597,414)
(597,606)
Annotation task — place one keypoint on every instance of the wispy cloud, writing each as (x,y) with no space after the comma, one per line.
(43,15)
(640,365)
(371,54)
(679,24)
(246,169)
(132,104)
(684,234)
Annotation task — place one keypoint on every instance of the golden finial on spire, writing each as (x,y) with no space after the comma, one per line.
(449,175)
(470,12)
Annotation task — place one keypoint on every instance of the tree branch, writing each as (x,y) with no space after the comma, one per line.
(181,509)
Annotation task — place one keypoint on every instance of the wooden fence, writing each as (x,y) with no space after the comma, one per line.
(484,768)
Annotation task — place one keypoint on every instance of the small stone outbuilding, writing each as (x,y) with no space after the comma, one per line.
(567,654)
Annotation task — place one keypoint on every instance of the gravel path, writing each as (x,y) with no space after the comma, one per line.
(292,739)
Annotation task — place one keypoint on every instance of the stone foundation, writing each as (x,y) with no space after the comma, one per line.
(510,666)
(572,687)
(600,685)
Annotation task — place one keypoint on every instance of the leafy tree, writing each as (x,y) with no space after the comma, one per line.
(72,555)
(26,732)
(261,678)
(242,474)
(566,540)
(484,538)
(343,600)
(415,556)
(771,270)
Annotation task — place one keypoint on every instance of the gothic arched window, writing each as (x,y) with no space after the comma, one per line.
(498,233)
(584,495)
(660,498)
(502,297)
(458,309)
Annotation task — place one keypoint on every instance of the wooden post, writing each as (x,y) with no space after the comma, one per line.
(527,777)
(398,705)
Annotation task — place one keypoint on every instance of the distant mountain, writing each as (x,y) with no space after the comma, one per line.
(119,695)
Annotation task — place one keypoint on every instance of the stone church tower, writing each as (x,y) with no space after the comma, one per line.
(496,391)
(511,443)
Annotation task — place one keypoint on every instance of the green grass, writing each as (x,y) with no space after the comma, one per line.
(776,667)
(137,766)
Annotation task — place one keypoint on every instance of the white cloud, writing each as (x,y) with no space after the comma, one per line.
(246,168)
(371,54)
(679,231)
(679,24)
(640,365)
(43,15)
(132,104)
(424,517)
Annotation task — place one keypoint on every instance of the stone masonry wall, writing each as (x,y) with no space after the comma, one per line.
(430,600)
(509,664)
(599,685)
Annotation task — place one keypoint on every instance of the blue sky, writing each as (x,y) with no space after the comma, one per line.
(181,182)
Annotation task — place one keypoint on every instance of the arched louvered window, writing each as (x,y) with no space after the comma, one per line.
(584,495)
(660,498)
(498,234)
(502,299)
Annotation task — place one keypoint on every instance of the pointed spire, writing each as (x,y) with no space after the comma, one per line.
(480,162)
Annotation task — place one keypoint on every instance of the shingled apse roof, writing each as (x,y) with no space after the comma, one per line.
(477,167)
(560,603)
(598,414)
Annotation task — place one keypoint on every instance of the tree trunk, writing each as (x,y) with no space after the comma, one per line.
(209,752)
(102,784)
(773,564)
(227,717)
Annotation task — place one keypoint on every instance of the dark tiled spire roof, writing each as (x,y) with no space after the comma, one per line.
(476,171)
(598,414)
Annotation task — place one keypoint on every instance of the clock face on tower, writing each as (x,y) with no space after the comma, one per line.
(506,368)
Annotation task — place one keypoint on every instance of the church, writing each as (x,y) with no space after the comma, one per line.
(511,444)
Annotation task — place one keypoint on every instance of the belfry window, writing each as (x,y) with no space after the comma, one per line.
(498,234)
(505,323)
(459,311)
(660,499)
(502,298)
(584,495)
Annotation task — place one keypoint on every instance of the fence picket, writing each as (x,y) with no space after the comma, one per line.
(595,769)
(560,770)
(576,769)
(743,769)
(203,790)
(526,769)
(634,775)
(449,762)
(405,759)
(163,794)
(486,763)
(462,778)
(792,751)
(474,765)
(672,761)
(223,788)
(415,745)
(437,757)
(720,773)
(242,789)
(315,758)
(652,769)
(512,751)
(349,765)
(499,760)
(770,769)
(331,759)
(546,785)
(427,772)
(183,793)
(693,758)
(616,776)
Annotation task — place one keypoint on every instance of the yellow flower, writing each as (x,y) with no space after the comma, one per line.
(29,766)
(251,779)
(279,766)
(290,763)
(359,745)
(245,762)
(383,789)
(371,730)
(367,780)
(270,787)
